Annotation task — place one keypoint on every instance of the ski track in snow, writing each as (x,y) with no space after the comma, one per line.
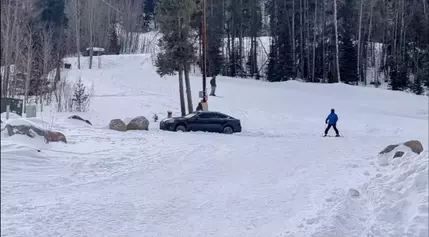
(278,177)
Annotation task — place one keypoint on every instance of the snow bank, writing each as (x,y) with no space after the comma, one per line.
(394,202)
(11,116)
(399,197)
(21,140)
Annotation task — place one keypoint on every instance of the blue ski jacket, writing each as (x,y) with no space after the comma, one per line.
(332,118)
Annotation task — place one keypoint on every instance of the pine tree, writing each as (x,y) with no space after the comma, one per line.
(114,47)
(280,62)
(177,46)
(416,86)
(348,52)
(148,13)
(272,73)
(348,60)
(214,38)
(80,96)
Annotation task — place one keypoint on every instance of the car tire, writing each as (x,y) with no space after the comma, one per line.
(228,130)
(180,128)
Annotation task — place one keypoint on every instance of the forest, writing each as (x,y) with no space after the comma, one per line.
(358,42)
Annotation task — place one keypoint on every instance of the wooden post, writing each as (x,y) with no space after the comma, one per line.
(7,111)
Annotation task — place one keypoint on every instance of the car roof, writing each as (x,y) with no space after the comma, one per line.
(216,112)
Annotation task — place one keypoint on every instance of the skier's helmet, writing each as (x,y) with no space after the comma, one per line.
(332,110)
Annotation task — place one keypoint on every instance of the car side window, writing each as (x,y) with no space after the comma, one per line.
(206,115)
(216,115)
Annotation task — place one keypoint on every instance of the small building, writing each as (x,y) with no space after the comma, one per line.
(96,51)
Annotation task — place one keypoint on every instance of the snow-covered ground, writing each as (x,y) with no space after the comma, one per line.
(277,178)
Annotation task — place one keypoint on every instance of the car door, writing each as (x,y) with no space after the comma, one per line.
(204,122)
(218,122)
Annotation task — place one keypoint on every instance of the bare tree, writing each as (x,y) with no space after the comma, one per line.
(75,15)
(47,47)
(91,23)
(27,58)
(9,33)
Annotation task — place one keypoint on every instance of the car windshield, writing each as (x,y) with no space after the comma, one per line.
(190,115)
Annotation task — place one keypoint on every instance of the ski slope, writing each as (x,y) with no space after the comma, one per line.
(278,178)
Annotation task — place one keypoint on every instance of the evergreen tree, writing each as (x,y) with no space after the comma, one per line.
(214,38)
(348,60)
(280,62)
(348,52)
(398,77)
(80,96)
(177,44)
(271,73)
(416,86)
(114,46)
(148,13)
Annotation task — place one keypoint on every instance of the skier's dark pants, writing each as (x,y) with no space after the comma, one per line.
(329,127)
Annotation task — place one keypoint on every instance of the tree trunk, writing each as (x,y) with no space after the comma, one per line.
(181,93)
(370,45)
(293,38)
(77,32)
(29,63)
(323,41)
(314,43)
(91,32)
(359,40)
(187,67)
(301,46)
(336,42)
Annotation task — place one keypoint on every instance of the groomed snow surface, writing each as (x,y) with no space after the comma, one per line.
(278,178)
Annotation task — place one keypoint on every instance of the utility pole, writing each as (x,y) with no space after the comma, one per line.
(204,42)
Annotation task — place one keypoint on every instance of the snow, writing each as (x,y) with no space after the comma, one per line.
(278,177)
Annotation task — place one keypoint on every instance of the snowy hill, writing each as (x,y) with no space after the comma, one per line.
(278,177)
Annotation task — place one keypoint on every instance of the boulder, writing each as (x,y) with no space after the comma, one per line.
(398,154)
(118,125)
(138,123)
(415,146)
(33,131)
(52,136)
(354,193)
(388,149)
(81,119)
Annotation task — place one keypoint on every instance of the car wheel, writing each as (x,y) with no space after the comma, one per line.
(180,128)
(228,130)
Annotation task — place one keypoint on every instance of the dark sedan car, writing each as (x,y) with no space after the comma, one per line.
(206,121)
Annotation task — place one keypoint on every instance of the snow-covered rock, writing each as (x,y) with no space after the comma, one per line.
(118,125)
(138,123)
(31,130)
(398,201)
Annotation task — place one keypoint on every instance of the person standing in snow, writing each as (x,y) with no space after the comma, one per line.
(202,105)
(331,120)
(213,86)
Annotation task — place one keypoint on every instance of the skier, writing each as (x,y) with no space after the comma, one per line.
(331,120)
(213,86)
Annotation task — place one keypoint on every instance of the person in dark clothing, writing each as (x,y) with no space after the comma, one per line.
(331,120)
(200,106)
(213,86)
